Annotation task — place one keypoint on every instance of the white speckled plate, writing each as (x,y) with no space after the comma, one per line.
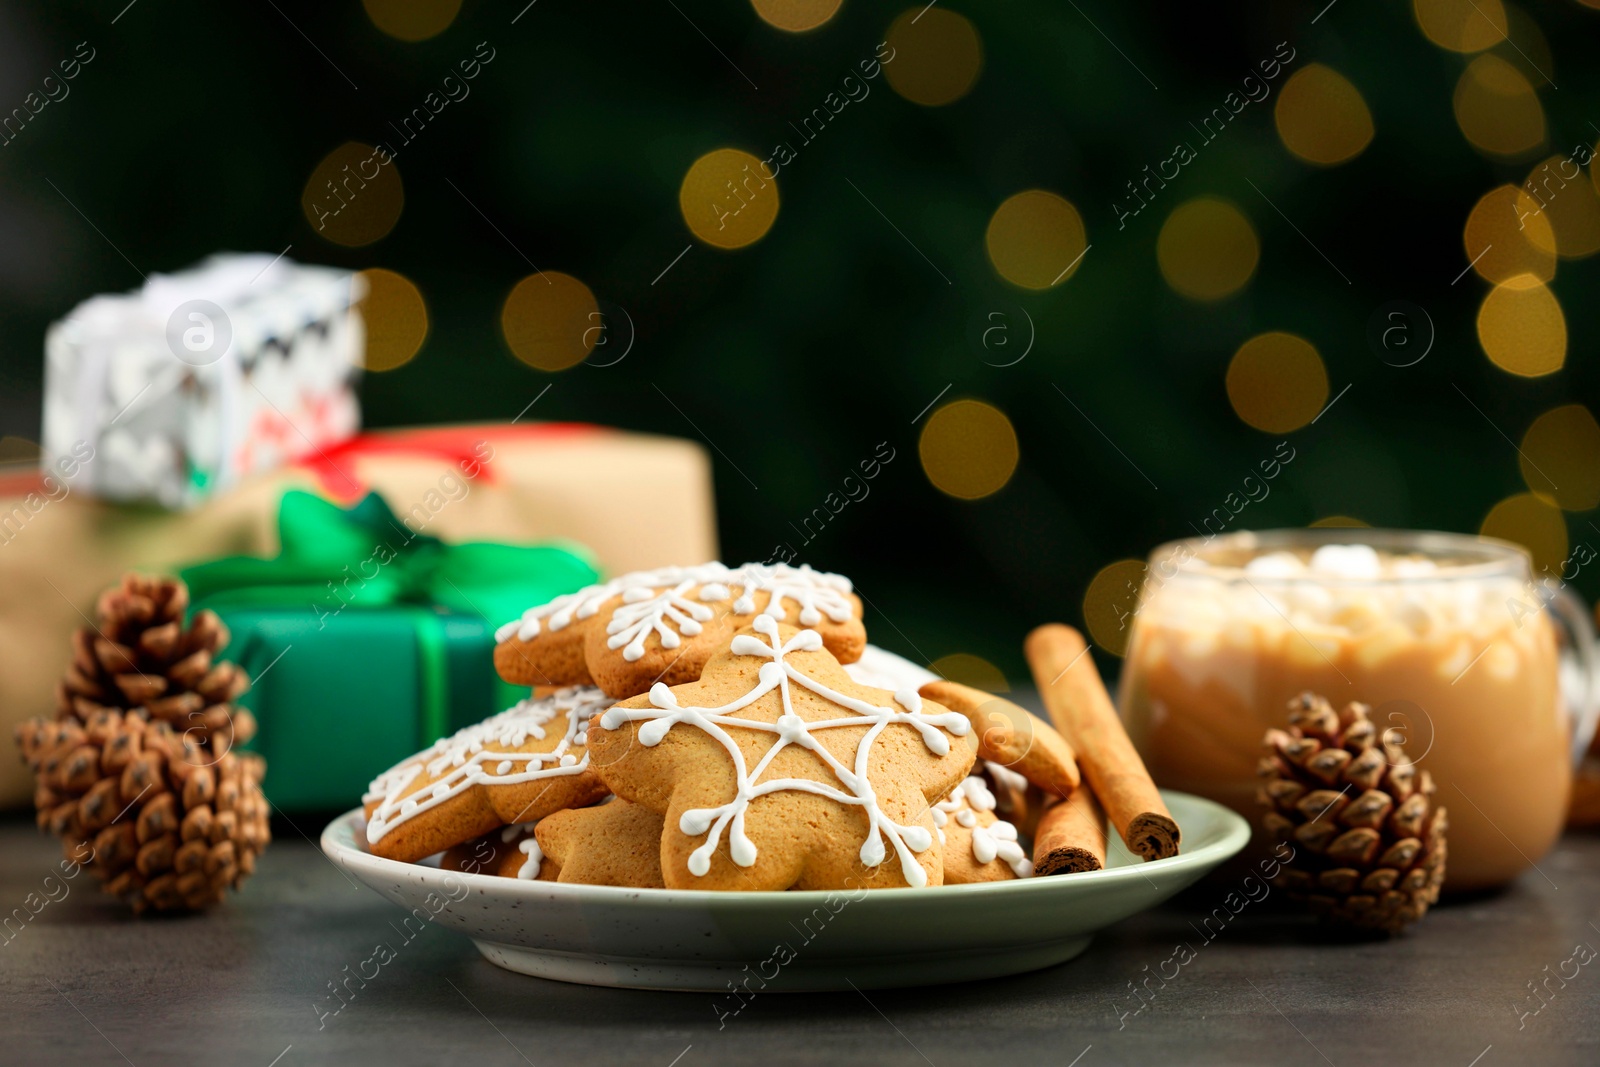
(695,939)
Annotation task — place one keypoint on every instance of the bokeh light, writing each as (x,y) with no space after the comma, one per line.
(1036,239)
(1461,25)
(937,56)
(412,20)
(1522,329)
(1207,249)
(1507,237)
(796,16)
(1340,522)
(1539,527)
(1110,603)
(1526,48)
(396,319)
(1277,383)
(354,196)
(728,198)
(1497,109)
(1560,457)
(550,321)
(968,449)
(1321,116)
(967,669)
(1557,192)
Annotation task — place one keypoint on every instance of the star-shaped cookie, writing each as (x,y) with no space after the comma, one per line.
(775,770)
(615,843)
(514,767)
(978,847)
(663,625)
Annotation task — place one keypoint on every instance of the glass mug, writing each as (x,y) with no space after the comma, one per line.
(1486,679)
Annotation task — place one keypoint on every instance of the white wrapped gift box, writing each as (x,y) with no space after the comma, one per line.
(204,377)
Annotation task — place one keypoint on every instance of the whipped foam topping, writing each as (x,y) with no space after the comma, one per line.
(1336,590)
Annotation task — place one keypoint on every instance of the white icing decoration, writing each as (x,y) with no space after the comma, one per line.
(459,761)
(790,729)
(1005,776)
(999,839)
(530,867)
(665,602)
(642,614)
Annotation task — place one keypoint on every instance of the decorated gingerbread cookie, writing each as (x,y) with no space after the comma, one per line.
(615,843)
(977,846)
(510,852)
(663,625)
(775,770)
(514,767)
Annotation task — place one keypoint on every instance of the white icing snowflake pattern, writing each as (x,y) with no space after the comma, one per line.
(791,729)
(475,755)
(663,602)
(997,839)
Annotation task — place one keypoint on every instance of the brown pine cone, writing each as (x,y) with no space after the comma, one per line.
(162,822)
(1369,840)
(140,655)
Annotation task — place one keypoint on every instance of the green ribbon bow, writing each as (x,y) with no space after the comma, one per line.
(333,559)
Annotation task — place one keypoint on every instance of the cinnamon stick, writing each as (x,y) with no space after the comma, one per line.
(1071,836)
(1012,736)
(1082,710)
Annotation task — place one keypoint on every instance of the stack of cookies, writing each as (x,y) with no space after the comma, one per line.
(699,728)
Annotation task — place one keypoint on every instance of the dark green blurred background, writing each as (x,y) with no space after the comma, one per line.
(196,126)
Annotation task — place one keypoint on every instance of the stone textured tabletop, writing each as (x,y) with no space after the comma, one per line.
(84,983)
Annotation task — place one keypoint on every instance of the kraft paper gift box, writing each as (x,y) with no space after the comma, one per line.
(202,378)
(59,548)
(367,641)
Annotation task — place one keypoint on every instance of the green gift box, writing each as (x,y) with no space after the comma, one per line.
(366,641)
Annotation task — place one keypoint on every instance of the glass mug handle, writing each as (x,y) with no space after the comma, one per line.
(1582,693)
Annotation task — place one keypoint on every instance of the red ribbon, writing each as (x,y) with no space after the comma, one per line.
(335,468)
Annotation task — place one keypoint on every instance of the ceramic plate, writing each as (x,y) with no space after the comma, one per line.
(695,939)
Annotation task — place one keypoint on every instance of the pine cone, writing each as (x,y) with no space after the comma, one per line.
(162,822)
(1369,840)
(140,655)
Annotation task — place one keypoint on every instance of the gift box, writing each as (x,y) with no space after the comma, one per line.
(367,640)
(202,378)
(495,482)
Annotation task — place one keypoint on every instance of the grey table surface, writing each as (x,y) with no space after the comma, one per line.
(85,983)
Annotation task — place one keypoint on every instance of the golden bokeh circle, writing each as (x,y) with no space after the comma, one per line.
(1497,109)
(1110,603)
(1036,239)
(937,56)
(354,196)
(1560,457)
(796,16)
(395,317)
(1321,116)
(1507,237)
(412,20)
(1207,249)
(1522,329)
(549,320)
(1461,25)
(1341,522)
(1568,206)
(1539,527)
(728,198)
(1276,382)
(967,669)
(968,449)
